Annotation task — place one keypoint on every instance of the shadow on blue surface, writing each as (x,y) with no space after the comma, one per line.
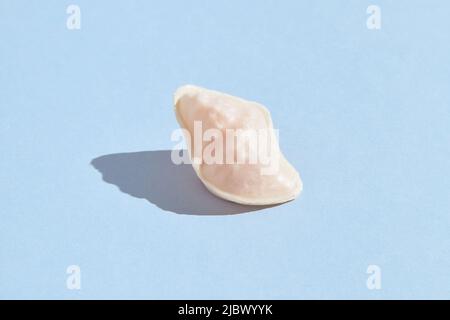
(151,175)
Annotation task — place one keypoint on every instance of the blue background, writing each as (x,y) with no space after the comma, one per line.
(364,115)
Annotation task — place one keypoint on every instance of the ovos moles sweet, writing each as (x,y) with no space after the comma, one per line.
(236,153)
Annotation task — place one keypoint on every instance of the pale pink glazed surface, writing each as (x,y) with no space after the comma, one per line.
(243,182)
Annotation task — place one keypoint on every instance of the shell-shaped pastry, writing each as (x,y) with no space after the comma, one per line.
(228,159)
